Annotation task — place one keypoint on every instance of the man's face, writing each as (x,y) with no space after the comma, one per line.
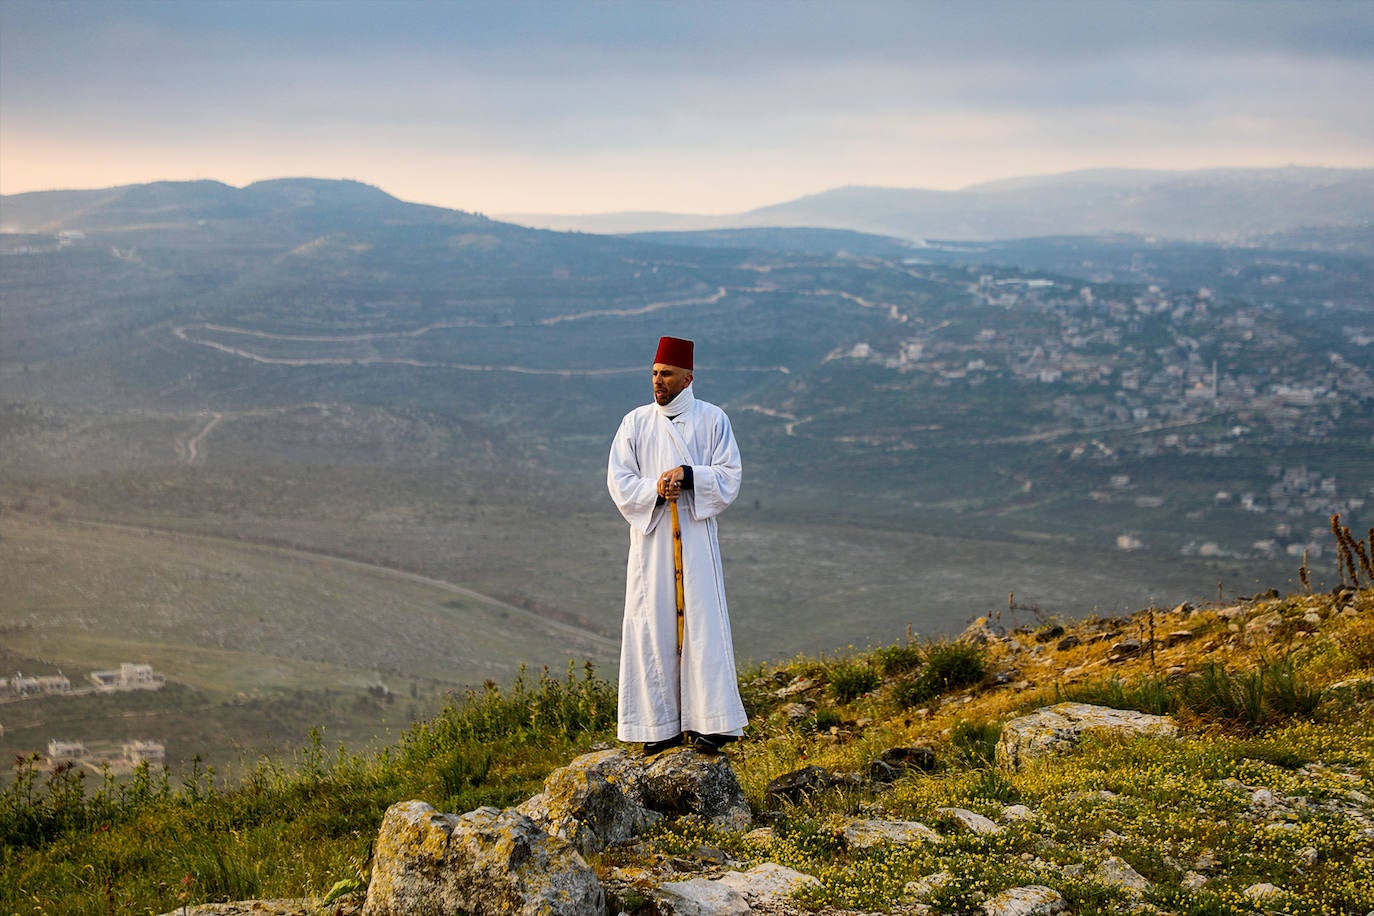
(669,382)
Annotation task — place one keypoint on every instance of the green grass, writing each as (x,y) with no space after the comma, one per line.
(291,827)
(1244,701)
(302,825)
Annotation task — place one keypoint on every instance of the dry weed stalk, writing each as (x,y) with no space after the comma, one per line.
(1365,551)
(1349,550)
(1154,666)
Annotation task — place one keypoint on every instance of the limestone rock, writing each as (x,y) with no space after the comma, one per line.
(592,802)
(1176,637)
(979,633)
(699,897)
(1017,813)
(972,821)
(862,833)
(607,797)
(760,835)
(923,887)
(684,782)
(1118,873)
(798,685)
(798,784)
(1261,891)
(1054,729)
(915,757)
(1127,648)
(880,772)
(768,882)
(484,862)
(1032,900)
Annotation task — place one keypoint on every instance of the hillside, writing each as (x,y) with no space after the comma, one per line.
(1090,423)
(1216,205)
(1266,790)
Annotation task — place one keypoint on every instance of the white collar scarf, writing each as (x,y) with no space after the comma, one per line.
(678,405)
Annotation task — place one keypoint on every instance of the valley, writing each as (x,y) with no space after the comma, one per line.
(325,456)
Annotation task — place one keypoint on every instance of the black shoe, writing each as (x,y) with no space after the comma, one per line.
(653,747)
(710,744)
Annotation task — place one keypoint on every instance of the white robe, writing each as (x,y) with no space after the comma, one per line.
(660,698)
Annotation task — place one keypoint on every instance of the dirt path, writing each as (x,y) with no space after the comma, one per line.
(193,444)
(188,334)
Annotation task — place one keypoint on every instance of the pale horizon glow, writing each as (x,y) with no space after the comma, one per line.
(585,107)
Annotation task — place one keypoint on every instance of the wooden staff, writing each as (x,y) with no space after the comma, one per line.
(677,573)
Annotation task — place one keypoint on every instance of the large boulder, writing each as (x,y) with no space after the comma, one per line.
(1054,729)
(593,802)
(606,797)
(486,863)
(684,782)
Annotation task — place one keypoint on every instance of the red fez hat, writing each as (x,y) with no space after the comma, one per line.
(674,351)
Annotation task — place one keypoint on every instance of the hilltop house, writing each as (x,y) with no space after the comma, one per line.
(128,677)
(136,752)
(23,686)
(65,751)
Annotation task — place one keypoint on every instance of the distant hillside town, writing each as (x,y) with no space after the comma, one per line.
(128,676)
(129,755)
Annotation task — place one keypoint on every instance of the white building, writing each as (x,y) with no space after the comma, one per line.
(128,677)
(62,751)
(136,752)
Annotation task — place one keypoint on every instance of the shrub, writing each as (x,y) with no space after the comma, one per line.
(566,708)
(1147,694)
(822,720)
(952,665)
(851,680)
(913,691)
(948,666)
(1268,694)
(898,659)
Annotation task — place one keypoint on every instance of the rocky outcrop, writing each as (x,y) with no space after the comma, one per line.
(528,860)
(484,862)
(594,802)
(608,797)
(1055,729)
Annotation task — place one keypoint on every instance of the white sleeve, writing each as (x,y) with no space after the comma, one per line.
(716,484)
(635,495)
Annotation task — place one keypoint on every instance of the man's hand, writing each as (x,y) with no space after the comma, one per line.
(670,483)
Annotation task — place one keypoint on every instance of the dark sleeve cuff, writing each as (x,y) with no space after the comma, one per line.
(687,477)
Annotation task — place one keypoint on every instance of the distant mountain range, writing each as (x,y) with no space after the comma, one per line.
(1214,204)
(321,202)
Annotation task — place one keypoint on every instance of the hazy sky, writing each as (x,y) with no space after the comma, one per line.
(689,106)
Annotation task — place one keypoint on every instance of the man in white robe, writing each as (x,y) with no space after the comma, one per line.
(676,449)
